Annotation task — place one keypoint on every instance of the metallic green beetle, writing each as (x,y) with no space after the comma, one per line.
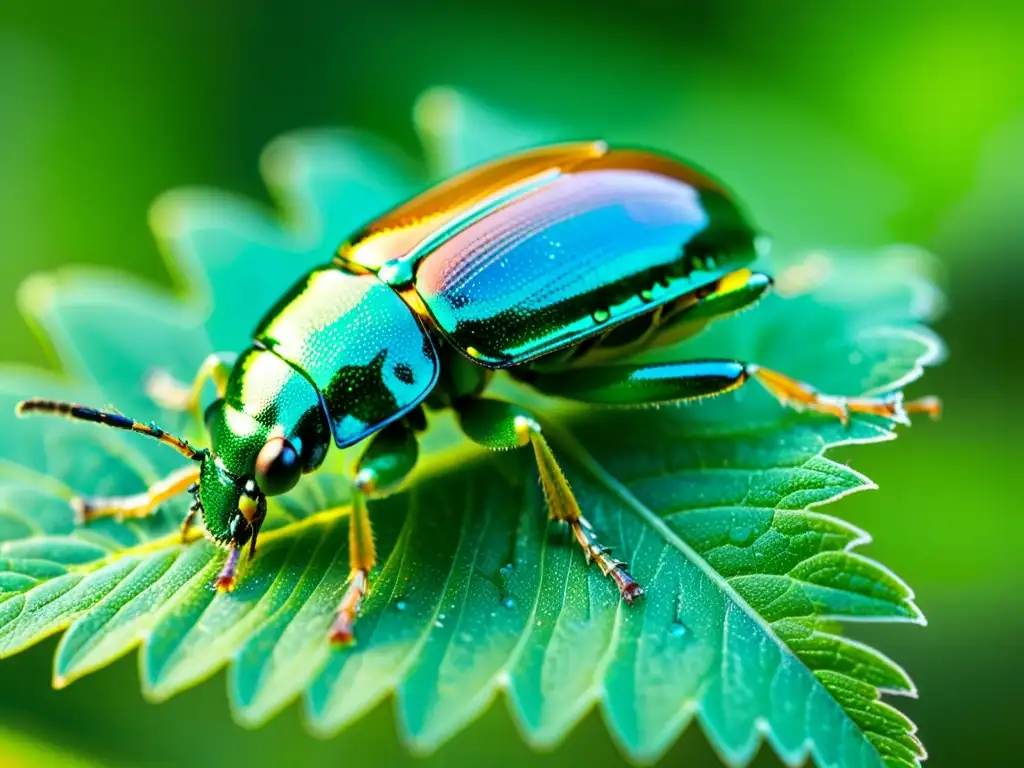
(555,264)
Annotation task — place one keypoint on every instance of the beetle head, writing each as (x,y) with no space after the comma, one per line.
(233,506)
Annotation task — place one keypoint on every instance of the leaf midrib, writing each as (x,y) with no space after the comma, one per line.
(571,446)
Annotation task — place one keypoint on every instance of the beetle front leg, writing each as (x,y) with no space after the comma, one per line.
(387,461)
(140,504)
(500,426)
(167,392)
(674,382)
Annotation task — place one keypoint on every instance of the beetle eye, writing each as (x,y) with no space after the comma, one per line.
(277,467)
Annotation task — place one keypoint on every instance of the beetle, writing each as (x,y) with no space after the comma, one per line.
(556,264)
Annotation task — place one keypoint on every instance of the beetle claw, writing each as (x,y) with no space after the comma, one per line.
(804,397)
(342,630)
(81,508)
(227,578)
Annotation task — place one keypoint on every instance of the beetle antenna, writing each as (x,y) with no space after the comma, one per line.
(115,420)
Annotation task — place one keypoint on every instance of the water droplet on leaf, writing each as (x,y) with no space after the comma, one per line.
(741,535)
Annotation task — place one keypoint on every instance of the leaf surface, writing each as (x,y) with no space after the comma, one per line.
(714,504)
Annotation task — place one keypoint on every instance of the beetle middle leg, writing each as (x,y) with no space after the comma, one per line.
(499,425)
(388,459)
(673,382)
(174,395)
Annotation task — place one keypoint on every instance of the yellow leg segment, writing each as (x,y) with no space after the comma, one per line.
(562,506)
(362,558)
(167,392)
(139,504)
(388,459)
(801,397)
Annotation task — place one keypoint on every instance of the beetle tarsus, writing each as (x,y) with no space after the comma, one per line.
(629,588)
(82,510)
(614,569)
(228,576)
(799,396)
(930,405)
(342,630)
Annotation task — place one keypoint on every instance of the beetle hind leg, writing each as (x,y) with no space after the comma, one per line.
(498,425)
(800,396)
(656,383)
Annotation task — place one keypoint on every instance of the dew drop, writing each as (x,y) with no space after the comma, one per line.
(438,624)
(678,629)
(466,637)
(401,605)
(601,315)
(509,602)
(440,617)
(741,535)
(506,570)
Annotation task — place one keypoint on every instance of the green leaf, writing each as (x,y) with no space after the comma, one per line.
(476,593)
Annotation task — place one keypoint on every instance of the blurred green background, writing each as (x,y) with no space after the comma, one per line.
(840,124)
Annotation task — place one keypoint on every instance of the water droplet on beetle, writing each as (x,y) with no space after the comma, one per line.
(678,629)
(601,315)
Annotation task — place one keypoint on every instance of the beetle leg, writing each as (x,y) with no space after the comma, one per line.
(728,295)
(139,504)
(499,426)
(800,396)
(228,576)
(174,395)
(388,459)
(674,382)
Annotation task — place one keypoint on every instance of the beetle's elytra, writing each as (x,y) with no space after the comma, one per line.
(556,264)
